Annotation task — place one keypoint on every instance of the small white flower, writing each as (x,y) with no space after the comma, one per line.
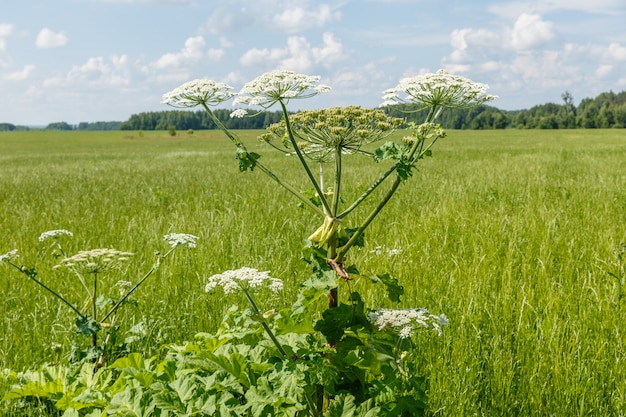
(243,279)
(55,234)
(197,92)
(238,114)
(9,256)
(439,89)
(177,239)
(274,86)
(404,321)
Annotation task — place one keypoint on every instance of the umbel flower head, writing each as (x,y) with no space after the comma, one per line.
(177,239)
(403,322)
(55,234)
(9,256)
(274,86)
(95,260)
(243,279)
(321,133)
(438,90)
(198,92)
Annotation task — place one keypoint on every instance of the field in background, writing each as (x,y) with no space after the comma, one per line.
(503,231)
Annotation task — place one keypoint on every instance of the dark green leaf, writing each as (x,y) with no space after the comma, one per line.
(394,289)
(87,326)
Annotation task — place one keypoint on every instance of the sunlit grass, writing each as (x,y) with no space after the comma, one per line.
(503,231)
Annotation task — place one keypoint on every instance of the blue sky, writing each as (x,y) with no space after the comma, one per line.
(93,60)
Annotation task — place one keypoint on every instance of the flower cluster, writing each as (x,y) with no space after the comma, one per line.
(55,234)
(274,86)
(9,256)
(323,132)
(95,260)
(177,239)
(404,321)
(197,92)
(438,90)
(243,279)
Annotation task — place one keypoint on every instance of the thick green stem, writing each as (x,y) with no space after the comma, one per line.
(31,276)
(296,148)
(262,167)
(394,187)
(267,329)
(367,192)
(94,308)
(337,190)
(152,270)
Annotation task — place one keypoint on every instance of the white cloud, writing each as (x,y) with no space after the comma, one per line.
(229,18)
(97,72)
(297,55)
(299,19)
(617,52)
(604,70)
(512,9)
(531,32)
(192,52)
(6,30)
(49,39)
(20,75)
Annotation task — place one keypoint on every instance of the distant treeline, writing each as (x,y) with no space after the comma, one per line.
(607,110)
(197,120)
(65,126)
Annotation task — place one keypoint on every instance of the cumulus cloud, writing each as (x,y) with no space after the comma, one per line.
(97,72)
(6,30)
(229,17)
(297,55)
(531,31)
(49,39)
(617,52)
(193,51)
(298,19)
(20,75)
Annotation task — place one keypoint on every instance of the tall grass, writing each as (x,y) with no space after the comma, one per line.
(504,231)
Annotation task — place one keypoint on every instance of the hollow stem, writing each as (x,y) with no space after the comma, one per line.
(261,166)
(31,275)
(267,329)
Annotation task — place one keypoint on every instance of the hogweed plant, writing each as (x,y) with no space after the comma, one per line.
(346,360)
(323,141)
(99,310)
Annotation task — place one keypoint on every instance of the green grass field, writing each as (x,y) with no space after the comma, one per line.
(506,232)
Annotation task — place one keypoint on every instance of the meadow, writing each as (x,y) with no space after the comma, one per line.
(512,234)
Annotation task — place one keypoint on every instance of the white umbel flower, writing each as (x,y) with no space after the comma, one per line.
(55,234)
(9,256)
(274,86)
(243,279)
(404,321)
(198,92)
(177,239)
(440,89)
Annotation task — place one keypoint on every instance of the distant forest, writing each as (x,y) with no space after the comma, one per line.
(607,110)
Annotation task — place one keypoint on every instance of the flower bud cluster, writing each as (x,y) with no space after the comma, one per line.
(323,132)
(95,260)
